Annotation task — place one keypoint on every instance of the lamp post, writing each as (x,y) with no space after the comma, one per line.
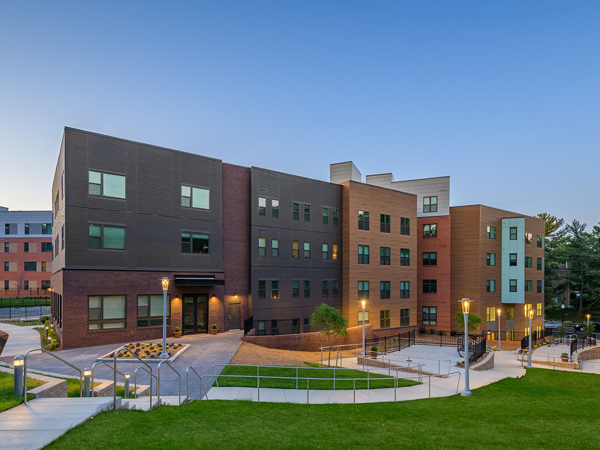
(165,286)
(466,303)
(499,314)
(363,303)
(588,319)
(530,313)
(562,307)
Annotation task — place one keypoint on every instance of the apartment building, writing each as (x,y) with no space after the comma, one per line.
(26,253)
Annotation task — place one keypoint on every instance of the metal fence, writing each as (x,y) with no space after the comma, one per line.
(477,346)
(581,343)
(536,336)
(444,339)
(248,324)
(23,312)
(19,302)
(388,344)
(282,326)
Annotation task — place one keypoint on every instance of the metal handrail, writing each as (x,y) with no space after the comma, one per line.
(115,374)
(93,367)
(158,381)
(187,391)
(151,375)
(43,350)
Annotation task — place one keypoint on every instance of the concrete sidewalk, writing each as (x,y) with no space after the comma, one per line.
(35,425)
(20,339)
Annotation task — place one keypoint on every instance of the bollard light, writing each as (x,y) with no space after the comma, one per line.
(18,363)
(87,373)
(49,342)
(126,384)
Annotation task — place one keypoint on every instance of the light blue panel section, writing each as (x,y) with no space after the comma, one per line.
(513,272)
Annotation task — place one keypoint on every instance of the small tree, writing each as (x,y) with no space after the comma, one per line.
(331,322)
(473,323)
(589,329)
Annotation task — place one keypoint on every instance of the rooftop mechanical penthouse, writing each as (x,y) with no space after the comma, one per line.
(246,246)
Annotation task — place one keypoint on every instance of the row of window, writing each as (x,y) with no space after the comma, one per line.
(385,317)
(326,253)
(274,284)
(491,261)
(385,256)
(30,228)
(110,311)
(297,208)
(513,233)
(28,266)
(26,285)
(385,223)
(491,286)
(510,311)
(46,247)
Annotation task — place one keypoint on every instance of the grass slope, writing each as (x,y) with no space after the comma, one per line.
(544,410)
(7,397)
(376,381)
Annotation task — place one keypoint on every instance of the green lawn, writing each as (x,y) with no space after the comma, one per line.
(545,409)
(7,398)
(22,324)
(376,381)
(18,302)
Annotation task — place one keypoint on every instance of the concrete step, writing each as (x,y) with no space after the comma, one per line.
(171,400)
(141,403)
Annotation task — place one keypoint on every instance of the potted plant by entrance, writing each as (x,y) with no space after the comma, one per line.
(213,328)
(176,332)
(564,357)
(374,352)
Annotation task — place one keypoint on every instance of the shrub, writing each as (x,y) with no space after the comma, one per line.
(177,329)
(422,330)
(441,332)
(431,331)
(373,349)
(453,333)
(214,326)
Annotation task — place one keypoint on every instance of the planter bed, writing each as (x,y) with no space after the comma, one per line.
(147,351)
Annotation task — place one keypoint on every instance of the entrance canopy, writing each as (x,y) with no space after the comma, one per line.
(197,280)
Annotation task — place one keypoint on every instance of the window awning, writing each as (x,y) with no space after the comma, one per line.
(197,280)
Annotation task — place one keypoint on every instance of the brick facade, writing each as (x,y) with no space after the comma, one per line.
(16,258)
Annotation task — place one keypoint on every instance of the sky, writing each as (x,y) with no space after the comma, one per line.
(502,96)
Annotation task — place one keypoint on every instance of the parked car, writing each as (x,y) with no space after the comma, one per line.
(553,324)
(578,326)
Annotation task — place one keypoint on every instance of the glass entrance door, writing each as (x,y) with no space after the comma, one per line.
(195,313)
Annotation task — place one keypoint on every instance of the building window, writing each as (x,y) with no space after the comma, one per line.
(405,226)
(334,288)
(491,232)
(262,289)
(26,285)
(528,238)
(334,215)
(363,290)
(6,247)
(405,289)
(404,317)
(325,289)
(491,259)
(306,250)
(430,204)
(6,266)
(430,230)
(307,213)
(513,286)
(295,289)
(510,312)
(30,266)
(528,262)
(6,285)
(325,252)
(47,246)
(540,286)
(262,206)
(360,317)
(429,315)
(540,264)
(296,211)
(46,284)
(384,290)
(150,310)
(513,259)
(275,289)
(539,311)
(384,223)
(194,243)
(106,236)
(325,216)
(384,258)
(262,247)
(43,263)
(275,248)
(540,241)
(295,249)
(26,247)
(429,286)
(275,208)
(106,184)
(384,318)
(513,233)
(26,228)
(62,237)
(490,285)
(334,252)
(363,254)
(306,325)
(192,197)
(106,312)
(56,246)
(46,228)
(363,220)
(490,313)
(306,288)
(405,257)
(430,258)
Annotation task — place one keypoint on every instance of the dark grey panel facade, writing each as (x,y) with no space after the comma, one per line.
(288,189)
(151,212)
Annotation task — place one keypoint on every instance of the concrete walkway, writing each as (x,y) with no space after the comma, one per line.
(35,425)
(20,339)
(506,366)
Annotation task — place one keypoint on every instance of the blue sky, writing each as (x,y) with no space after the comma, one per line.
(501,96)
